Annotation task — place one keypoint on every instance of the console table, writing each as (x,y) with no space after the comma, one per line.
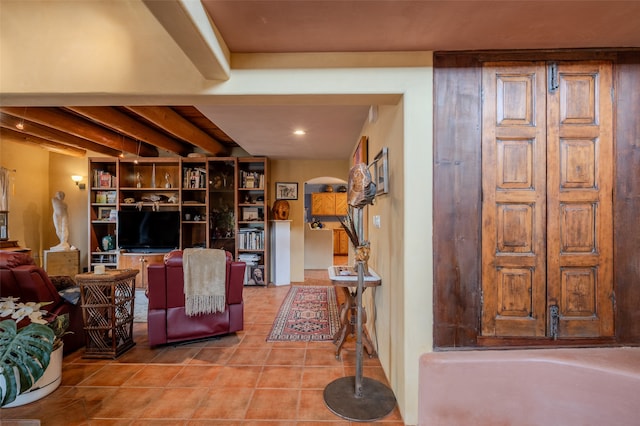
(107,311)
(346,278)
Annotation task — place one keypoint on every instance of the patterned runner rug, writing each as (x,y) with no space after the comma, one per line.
(308,313)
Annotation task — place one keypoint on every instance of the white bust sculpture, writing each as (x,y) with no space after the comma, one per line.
(61,221)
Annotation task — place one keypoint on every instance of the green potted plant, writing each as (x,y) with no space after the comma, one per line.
(28,338)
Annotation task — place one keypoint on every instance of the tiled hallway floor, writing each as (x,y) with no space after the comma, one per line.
(238,379)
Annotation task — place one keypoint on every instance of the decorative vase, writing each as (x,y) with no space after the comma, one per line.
(108,243)
(46,384)
(153,176)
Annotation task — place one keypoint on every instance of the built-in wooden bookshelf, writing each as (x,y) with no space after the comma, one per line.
(253,206)
(222,202)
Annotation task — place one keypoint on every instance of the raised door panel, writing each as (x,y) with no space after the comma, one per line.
(139,262)
(340,242)
(341,203)
(513,209)
(323,204)
(580,270)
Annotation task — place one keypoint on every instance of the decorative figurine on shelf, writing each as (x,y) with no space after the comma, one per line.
(280,210)
(153,176)
(138,180)
(167,182)
(218,182)
(108,243)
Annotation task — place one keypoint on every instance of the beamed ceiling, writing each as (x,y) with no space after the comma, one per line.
(145,131)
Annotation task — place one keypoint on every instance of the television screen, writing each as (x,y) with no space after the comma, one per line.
(148,230)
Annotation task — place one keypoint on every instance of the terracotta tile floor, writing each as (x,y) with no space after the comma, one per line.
(238,379)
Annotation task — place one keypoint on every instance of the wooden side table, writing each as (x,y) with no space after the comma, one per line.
(346,278)
(107,310)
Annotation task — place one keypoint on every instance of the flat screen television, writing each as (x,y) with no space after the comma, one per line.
(148,231)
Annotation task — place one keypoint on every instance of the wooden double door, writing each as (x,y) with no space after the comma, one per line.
(547,214)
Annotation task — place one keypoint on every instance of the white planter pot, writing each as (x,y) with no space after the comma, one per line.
(46,384)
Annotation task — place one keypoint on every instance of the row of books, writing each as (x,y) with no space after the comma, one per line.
(251,180)
(250,239)
(105,197)
(103,179)
(194,177)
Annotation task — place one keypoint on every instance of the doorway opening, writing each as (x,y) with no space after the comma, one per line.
(324,242)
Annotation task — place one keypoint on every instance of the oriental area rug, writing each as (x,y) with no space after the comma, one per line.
(307,314)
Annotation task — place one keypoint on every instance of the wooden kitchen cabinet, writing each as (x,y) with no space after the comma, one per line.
(340,242)
(341,203)
(323,204)
(328,204)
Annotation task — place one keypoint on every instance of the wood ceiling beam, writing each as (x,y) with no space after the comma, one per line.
(16,136)
(77,126)
(52,135)
(111,117)
(173,123)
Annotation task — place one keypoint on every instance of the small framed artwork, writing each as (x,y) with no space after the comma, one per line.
(249,213)
(286,190)
(256,275)
(380,166)
(107,214)
(361,154)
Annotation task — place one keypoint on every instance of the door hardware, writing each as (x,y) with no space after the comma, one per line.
(553,77)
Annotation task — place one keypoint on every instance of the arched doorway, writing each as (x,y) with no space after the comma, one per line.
(322,229)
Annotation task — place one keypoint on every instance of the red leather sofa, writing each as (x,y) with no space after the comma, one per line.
(167,321)
(20,277)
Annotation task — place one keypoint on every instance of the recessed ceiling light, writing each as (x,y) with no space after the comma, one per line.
(299,132)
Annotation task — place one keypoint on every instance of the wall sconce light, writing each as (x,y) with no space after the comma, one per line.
(77,179)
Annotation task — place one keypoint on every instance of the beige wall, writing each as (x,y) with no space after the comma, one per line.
(33,185)
(385,303)
(28,193)
(61,168)
(301,171)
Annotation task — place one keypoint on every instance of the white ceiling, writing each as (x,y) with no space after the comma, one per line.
(331,130)
(278,26)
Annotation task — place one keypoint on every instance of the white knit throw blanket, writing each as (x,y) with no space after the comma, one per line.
(204,280)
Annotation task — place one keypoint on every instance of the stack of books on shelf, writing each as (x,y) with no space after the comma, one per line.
(103,179)
(195,177)
(105,197)
(252,260)
(252,180)
(250,239)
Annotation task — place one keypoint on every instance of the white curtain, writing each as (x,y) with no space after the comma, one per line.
(4,189)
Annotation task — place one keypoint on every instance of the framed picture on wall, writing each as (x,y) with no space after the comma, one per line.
(380,173)
(361,154)
(286,190)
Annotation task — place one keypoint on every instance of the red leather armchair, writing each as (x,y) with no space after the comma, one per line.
(167,321)
(20,277)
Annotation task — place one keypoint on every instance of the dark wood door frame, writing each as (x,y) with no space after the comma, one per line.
(457,196)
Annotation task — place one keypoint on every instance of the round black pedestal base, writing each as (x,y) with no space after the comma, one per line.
(377,400)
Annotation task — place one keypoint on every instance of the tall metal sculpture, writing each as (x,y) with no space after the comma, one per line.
(359,398)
